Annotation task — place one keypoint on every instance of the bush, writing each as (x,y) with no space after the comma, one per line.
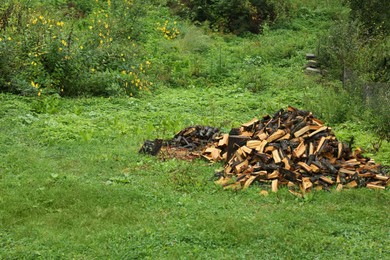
(232,15)
(62,46)
(360,60)
(373,14)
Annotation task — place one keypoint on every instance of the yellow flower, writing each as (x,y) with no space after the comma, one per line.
(35,85)
(90,27)
(39,92)
(81,47)
(64,42)
(59,49)
(41,17)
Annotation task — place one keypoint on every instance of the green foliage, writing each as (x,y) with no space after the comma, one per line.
(374,15)
(360,61)
(62,46)
(232,15)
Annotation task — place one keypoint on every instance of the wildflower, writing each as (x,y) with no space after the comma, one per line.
(59,49)
(64,42)
(93,70)
(39,92)
(90,27)
(9,38)
(81,47)
(35,85)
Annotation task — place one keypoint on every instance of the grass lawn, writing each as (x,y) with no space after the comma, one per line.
(72,185)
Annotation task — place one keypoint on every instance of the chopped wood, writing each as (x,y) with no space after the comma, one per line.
(273,175)
(224,140)
(306,183)
(302,131)
(250,123)
(264,193)
(253,144)
(381,177)
(249,181)
(261,147)
(346,171)
(305,166)
(300,150)
(374,186)
(292,148)
(323,128)
(246,149)
(276,156)
(327,180)
(286,163)
(274,186)
(351,184)
(275,136)
(296,194)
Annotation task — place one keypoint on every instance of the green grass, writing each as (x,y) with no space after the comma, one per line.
(69,194)
(72,184)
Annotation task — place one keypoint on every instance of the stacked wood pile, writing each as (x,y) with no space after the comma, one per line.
(194,137)
(292,148)
(186,144)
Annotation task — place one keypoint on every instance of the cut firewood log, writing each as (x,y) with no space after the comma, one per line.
(276,156)
(302,131)
(300,150)
(275,136)
(375,186)
(274,185)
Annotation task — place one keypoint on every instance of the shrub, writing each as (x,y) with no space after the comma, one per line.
(232,15)
(374,15)
(62,46)
(359,59)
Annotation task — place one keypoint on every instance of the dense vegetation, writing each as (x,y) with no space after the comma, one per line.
(83,83)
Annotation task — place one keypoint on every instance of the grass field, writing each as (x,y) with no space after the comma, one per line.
(73,186)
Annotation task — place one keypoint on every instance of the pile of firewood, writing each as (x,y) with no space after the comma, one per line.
(187,144)
(295,149)
(291,148)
